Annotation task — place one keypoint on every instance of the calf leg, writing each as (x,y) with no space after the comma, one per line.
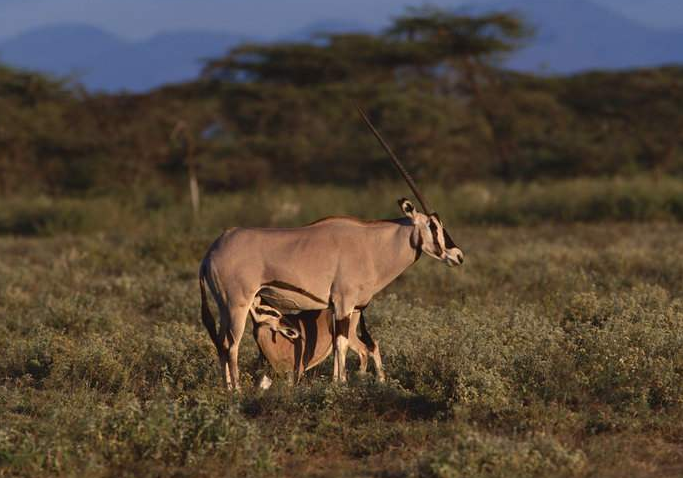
(265,381)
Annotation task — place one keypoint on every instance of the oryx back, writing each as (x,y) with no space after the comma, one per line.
(298,268)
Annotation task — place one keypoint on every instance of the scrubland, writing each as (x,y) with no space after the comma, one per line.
(556,350)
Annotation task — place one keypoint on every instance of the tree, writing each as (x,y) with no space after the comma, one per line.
(464,51)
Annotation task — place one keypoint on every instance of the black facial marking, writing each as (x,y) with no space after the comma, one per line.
(448,242)
(270,312)
(418,247)
(434,228)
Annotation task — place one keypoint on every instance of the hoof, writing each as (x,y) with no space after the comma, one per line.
(265,383)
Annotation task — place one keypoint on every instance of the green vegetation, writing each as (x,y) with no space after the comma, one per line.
(156,211)
(285,112)
(555,351)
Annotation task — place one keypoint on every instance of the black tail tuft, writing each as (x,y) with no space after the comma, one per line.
(207,318)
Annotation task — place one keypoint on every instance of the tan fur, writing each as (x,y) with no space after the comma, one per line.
(336,263)
(314,343)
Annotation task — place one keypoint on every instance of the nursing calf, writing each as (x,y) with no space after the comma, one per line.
(296,343)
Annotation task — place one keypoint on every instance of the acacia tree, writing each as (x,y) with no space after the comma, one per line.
(293,102)
(464,53)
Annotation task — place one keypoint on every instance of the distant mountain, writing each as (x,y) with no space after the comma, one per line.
(577,35)
(103,61)
(165,58)
(309,31)
(571,36)
(58,49)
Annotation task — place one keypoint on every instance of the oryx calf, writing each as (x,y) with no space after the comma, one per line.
(314,343)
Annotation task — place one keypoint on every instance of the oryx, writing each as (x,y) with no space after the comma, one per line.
(338,263)
(295,353)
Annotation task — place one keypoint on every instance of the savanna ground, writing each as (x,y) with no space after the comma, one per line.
(556,350)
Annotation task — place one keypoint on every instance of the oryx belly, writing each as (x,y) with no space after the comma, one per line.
(290,299)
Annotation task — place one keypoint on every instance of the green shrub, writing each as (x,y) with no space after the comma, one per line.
(550,353)
(166,222)
(31,355)
(476,455)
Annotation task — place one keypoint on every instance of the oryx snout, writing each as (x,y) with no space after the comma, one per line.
(289,332)
(454,257)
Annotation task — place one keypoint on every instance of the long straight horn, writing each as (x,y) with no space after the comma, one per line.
(397,163)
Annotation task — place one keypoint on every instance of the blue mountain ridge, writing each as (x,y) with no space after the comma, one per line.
(571,36)
(578,35)
(105,62)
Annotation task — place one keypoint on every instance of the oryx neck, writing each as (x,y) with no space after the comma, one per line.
(396,252)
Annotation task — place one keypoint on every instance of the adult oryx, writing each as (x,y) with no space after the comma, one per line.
(338,263)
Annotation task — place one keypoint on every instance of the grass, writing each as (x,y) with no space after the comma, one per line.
(556,350)
(591,200)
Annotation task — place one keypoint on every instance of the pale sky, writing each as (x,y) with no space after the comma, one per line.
(135,19)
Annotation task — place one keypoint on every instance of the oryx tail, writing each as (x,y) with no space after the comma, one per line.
(207,317)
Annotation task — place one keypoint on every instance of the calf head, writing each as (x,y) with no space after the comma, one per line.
(272,318)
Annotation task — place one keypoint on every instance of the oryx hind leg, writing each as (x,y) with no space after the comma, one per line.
(222,344)
(218,337)
(232,337)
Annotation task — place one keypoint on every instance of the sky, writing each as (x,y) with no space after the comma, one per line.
(136,19)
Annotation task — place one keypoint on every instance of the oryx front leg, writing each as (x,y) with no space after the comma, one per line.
(372,347)
(341,342)
(342,320)
(364,345)
(356,345)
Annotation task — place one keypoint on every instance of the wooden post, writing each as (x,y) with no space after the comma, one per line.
(190,161)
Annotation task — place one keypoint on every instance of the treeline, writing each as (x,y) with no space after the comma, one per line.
(285,112)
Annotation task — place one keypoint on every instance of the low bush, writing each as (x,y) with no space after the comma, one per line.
(166,223)
(547,354)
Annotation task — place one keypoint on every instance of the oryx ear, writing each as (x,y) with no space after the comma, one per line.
(407,207)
